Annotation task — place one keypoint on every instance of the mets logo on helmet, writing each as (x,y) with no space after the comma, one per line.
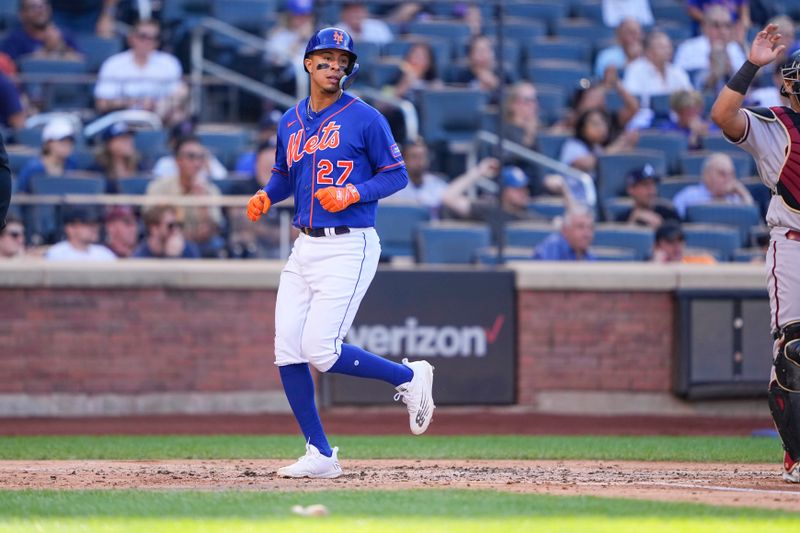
(338,37)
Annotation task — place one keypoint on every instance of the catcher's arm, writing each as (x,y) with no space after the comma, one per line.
(725,112)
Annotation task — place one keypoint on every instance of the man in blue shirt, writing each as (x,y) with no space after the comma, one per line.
(572,242)
(38,34)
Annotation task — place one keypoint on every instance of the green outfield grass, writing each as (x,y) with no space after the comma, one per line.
(378,511)
(699,449)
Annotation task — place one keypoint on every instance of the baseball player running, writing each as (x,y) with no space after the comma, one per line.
(336,155)
(772,136)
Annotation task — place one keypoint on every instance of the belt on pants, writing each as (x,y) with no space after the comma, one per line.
(793,235)
(322,232)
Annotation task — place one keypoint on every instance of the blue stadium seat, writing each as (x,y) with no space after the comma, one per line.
(249,15)
(382,74)
(450,114)
(563,74)
(29,136)
(552,103)
(672,185)
(518,29)
(17,158)
(659,103)
(547,207)
(453,31)
(614,253)
(226,145)
(671,144)
(236,185)
(559,48)
(677,32)
(718,143)
(451,243)
(636,238)
(550,11)
(137,185)
(589,9)
(527,234)
(42,220)
(150,141)
(742,217)
(397,226)
(671,11)
(550,143)
(49,89)
(488,255)
(97,49)
(692,162)
(721,239)
(584,30)
(613,168)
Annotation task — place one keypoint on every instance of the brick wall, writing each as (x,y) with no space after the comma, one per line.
(95,341)
(594,341)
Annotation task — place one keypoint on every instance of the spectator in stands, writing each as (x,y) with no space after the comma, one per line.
(118,158)
(521,114)
(630,46)
(481,69)
(267,133)
(714,56)
(417,72)
(687,118)
(82,230)
(286,43)
(572,242)
(615,11)
(203,223)
(648,209)
(122,230)
(356,21)
(739,11)
(12,239)
(167,166)
(86,16)
(164,236)
(592,139)
(670,247)
(143,77)
(719,184)
(58,143)
(765,79)
(12,111)
(654,73)
(38,35)
(768,95)
(424,187)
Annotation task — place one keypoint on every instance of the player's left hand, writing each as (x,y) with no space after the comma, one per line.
(335,199)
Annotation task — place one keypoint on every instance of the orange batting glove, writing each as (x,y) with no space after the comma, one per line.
(258,205)
(335,199)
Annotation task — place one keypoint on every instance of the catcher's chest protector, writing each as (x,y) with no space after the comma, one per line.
(788,185)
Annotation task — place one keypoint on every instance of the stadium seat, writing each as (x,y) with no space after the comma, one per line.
(613,253)
(550,11)
(613,168)
(527,234)
(18,157)
(397,226)
(150,141)
(97,49)
(742,217)
(137,185)
(42,220)
(552,101)
(236,185)
(518,29)
(453,31)
(614,207)
(591,10)
(382,74)
(563,74)
(671,11)
(48,89)
(29,136)
(451,243)
(558,48)
(584,30)
(547,207)
(659,103)
(671,144)
(672,185)
(450,114)
(692,162)
(488,255)
(249,15)
(677,32)
(719,238)
(718,143)
(636,238)
(226,145)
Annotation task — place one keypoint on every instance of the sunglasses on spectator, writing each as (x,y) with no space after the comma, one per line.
(14,234)
(172,226)
(720,24)
(146,36)
(193,155)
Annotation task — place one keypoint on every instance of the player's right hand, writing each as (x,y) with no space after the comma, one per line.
(258,205)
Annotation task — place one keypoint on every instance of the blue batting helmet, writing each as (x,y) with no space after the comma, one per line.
(332,38)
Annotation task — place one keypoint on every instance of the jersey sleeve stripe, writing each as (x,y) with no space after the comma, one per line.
(746,129)
(279,171)
(387,167)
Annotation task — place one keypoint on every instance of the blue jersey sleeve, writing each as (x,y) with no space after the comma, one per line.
(388,167)
(279,186)
(383,184)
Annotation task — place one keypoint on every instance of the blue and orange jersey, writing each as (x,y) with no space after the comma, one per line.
(349,142)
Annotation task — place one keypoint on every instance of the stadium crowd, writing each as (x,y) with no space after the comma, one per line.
(618,91)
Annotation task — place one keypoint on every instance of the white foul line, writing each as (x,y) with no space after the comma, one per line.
(729,489)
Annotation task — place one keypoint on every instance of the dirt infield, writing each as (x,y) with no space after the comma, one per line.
(717,484)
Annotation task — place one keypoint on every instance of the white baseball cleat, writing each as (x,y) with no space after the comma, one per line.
(314,465)
(417,394)
(791,469)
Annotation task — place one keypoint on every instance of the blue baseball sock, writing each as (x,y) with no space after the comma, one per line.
(357,362)
(299,388)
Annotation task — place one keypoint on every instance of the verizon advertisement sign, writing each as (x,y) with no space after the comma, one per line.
(461,322)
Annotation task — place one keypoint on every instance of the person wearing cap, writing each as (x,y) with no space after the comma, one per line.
(718,185)
(58,143)
(573,240)
(82,231)
(122,230)
(143,77)
(670,247)
(117,158)
(648,209)
(267,133)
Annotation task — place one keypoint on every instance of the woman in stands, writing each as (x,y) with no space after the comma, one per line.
(418,72)
(593,138)
(118,158)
